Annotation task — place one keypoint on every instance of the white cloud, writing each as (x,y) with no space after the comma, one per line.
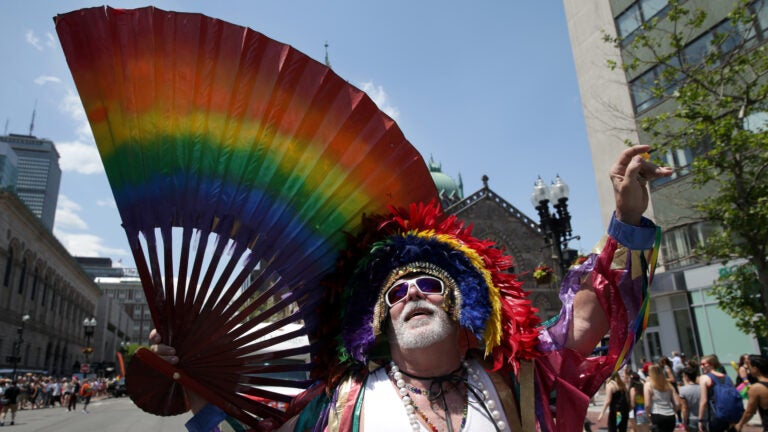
(79,157)
(50,40)
(42,79)
(71,105)
(33,40)
(379,96)
(66,214)
(86,245)
(109,203)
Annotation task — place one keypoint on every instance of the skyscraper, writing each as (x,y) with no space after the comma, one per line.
(9,167)
(39,174)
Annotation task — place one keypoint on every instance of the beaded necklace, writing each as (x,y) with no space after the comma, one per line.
(472,383)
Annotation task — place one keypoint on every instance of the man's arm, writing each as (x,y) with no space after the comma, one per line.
(703,387)
(629,176)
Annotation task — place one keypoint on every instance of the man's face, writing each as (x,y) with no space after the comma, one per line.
(418,320)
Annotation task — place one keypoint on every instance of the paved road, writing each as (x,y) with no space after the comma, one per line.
(118,415)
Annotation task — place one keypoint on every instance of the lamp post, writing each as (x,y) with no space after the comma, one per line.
(16,357)
(556,226)
(89,326)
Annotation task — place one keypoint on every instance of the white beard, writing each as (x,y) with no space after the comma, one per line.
(422,332)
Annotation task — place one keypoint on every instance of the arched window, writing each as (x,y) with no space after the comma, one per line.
(23,276)
(8,267)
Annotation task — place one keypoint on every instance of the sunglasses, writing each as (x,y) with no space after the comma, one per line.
(426,284)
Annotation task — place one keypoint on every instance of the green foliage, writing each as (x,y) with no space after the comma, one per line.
(738,290)
(710,103)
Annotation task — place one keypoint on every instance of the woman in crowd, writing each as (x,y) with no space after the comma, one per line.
(758,392)
(617,403)
(638,420)
(661,400)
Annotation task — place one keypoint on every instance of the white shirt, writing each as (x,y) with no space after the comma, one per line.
(383,409)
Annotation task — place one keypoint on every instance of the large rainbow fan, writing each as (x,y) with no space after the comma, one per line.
(237,164)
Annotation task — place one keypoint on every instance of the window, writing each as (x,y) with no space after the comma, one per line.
(680,161)
(34,286)
(638,13)
(678,244)
(8,267)
(23,276)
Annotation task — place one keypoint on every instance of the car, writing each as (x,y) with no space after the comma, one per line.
(117,388)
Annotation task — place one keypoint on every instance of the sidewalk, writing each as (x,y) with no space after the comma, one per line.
(597,405)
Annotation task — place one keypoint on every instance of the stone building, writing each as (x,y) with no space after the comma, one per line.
(494,218)
(39,278)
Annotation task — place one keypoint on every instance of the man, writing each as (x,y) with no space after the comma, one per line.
(438,302)
(711,369)
(677,367)
(690,395)
(11,394)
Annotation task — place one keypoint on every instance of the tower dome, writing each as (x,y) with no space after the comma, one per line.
(449,190)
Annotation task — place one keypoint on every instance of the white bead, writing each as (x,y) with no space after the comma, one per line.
(491,404)
(481,386)
(398,375)
(409,409)
(407,400)
(486,394)
(501,425)
(400,383)
(403,392)
(495,414)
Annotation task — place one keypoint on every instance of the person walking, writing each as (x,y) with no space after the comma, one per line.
(617,404)
(638,419)
(10,403)
(86,391)
(690,395)
(73,395)
(661,399)
(758,392)
(713,370)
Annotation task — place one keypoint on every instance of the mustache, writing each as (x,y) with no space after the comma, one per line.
(419,304)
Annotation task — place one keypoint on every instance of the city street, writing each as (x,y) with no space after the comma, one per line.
(112,414)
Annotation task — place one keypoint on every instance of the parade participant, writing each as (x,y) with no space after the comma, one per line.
(661,399)
(758,393)
(690,394)
(10,395)
(617,404)
(440,307)
(728,408)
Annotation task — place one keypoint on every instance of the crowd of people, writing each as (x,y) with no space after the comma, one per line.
(38,392)
(687,394)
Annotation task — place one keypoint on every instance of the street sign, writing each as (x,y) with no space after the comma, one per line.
(85,368)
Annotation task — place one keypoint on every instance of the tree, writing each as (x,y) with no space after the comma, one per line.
(711,94)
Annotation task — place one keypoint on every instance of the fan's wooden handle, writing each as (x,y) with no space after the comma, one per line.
(182,378)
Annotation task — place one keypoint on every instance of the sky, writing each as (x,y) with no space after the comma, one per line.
(484,88)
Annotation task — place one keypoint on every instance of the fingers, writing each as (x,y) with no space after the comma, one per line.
(165,352)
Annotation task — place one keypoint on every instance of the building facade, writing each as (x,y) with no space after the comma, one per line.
(614,102)
(38,174)
(127,292)
(40,279)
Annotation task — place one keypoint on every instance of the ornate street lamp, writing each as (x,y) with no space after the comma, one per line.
(16,357)
(555,226)
(89,326)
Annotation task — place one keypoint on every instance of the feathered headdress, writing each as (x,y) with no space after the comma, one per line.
(484,298)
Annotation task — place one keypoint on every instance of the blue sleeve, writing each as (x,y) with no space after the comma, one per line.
(633,237)
(206,420)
